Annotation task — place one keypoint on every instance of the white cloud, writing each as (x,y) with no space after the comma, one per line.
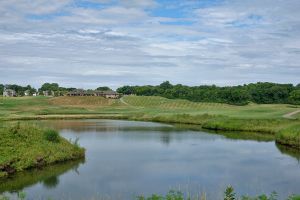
(233,42)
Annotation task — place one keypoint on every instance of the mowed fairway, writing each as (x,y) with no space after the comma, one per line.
(35,106)
(253,111)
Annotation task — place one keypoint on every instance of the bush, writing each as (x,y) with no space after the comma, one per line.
(51,135)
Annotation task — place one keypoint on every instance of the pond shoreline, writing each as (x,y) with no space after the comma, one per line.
(284,136)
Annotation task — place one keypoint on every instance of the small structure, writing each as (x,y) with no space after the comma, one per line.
(108,94)
(48,93)
(27,93)
(9,93)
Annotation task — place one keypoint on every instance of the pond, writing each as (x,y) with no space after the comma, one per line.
(128,158)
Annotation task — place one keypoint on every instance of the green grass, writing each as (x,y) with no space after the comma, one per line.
(25,106)
(24,146)
(263,118)
(289,136)
(255,111)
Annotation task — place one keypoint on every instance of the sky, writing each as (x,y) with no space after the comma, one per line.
(91,43)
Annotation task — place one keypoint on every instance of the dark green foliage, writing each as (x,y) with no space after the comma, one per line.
(49,87)
(294,197)
(1,89)
(238,95)
(295,96)
(58,91)
(126,90)
(229,193)
(51,135)
(104,88)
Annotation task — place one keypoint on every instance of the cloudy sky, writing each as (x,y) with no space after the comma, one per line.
(88,43)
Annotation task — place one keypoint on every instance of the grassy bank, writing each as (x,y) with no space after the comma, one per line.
(25,146)
(289,136)
(262,118)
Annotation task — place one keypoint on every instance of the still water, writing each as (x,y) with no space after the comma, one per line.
(125,159)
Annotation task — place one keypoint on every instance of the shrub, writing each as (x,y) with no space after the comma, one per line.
(51,135)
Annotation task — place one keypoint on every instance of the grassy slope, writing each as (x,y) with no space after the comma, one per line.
(255,111)
(24,147)
(265,118)
(32,106)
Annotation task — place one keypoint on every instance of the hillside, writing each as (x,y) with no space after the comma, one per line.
(185,106)
(82,101)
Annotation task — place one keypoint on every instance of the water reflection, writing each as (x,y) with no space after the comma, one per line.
(105,126)
(235,135)
(295,153)
(48,176)
(127,158)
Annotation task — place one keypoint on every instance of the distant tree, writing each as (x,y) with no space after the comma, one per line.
(104,88)
(19,89)
(166,85)
(295,96)
(239,95)
(1,89)
(49,87)
(70,89)
(269,92)
(127,90)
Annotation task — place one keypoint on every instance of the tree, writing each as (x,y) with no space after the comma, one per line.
(295,97)
(166,85)
(127,90)
(49,87)
(238,95)
(104,88)
(1,89)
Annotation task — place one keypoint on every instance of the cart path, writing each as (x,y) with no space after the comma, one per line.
(124,102)
(290,115)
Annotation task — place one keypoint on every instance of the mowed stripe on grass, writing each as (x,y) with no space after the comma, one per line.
(185,106)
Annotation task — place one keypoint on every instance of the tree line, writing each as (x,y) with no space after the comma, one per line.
(53,87)
(20,90)
(261,93)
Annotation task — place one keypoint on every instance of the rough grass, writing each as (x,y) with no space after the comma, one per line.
(289,136)
(25,146)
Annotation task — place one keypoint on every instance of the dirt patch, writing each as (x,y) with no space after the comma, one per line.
(81,101)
